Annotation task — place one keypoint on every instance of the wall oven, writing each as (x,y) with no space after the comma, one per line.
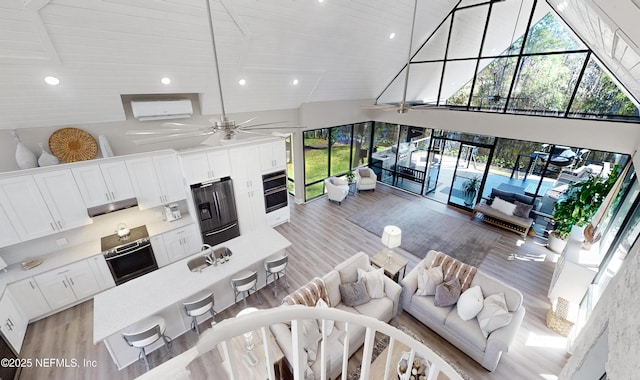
(276,195)
(130,256)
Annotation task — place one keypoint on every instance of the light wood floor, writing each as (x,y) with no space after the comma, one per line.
(321,238)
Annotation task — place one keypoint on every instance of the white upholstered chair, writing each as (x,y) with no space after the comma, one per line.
(366,178)
(337,189)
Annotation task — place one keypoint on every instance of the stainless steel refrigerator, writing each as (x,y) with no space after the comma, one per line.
(216,209)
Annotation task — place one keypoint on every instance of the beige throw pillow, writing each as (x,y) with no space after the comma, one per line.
(428,279)
(374,281)
(494,314)
(329,322)
(503,206)
(364,172)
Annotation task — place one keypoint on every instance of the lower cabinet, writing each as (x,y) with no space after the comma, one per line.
(176,244)
(13,323)
(29,298)
(68,284)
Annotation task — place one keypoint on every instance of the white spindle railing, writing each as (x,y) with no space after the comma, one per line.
(223,332)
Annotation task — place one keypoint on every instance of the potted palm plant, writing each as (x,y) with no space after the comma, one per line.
(577,207)
(470,189)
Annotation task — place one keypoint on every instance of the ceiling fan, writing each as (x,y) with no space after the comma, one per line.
(220,130)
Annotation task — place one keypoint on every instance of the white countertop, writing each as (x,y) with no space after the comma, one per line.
(70,254)
(120,307)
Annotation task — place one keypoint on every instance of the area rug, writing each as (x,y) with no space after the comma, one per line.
(381,344)
(424,229)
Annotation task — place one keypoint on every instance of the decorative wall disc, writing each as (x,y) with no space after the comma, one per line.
(73,144)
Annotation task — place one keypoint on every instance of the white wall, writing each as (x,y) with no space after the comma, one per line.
(617,311)
(122,144)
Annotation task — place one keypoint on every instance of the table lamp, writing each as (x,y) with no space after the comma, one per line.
(391,237)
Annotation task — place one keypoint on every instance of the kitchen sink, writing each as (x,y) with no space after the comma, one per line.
(217,256)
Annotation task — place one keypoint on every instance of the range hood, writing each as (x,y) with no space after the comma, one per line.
(111,207)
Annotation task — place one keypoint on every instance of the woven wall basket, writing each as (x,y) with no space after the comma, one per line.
(73,144)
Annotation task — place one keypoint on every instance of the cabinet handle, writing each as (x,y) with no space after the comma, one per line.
(106,195)
(8,325)
(53,227)
(11,324)
(71,280)
(64,283)
(32,287)
(113,196)
(59,224)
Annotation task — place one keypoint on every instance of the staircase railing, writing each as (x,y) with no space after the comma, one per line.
(222,333)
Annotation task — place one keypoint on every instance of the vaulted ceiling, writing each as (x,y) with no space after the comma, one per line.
(103,49)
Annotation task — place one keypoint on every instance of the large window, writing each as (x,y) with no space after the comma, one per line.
(316,158)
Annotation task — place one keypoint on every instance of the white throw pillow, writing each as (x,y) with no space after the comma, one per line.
(374,281)
(503,206)
(310,339)
(330,322)
(470,303)
(428,279)
(494,314)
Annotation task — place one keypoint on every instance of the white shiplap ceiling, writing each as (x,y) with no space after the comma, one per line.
(101,49)
(337,50)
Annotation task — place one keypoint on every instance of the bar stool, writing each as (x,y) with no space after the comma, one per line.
(244,282)
(145,333)
(200,304)
(274,267)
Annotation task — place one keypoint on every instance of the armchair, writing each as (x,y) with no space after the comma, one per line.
(366,178)
(337,189)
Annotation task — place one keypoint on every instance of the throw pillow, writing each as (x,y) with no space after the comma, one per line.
(447,293)
(428,279)
(503,206)
(329,323)
(364,172)
(374,281)
(354,293)
(494,314)
(470,303)
(310,339)
(522,209)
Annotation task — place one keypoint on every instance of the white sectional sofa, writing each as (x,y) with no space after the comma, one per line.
(327,288)
(466,335)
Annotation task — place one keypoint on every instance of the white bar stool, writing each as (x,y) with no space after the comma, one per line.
(198,305)
(243,283)
(145,333)
(275,267)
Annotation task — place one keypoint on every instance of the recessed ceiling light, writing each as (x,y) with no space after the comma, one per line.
(295,82)
(321,1)
(242,82)
(52,80)
(392,36)
(165,80)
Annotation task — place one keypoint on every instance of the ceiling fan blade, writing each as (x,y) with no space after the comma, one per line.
(213,140)
(182,125)
(158,131)
(378,106)
(172,137)
(262,124)
(246,121)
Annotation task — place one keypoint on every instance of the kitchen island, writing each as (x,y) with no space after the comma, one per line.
(162,291)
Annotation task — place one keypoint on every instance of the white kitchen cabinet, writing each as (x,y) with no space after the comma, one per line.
(29,298)
(67,284)
(571,277)
(156,180)
(205,166)
(25,207)
(273,156)
(13,323)
(159,250)
(104,183)
(63,198)
(247,187)
(182,242)
(101,272)
(8,234)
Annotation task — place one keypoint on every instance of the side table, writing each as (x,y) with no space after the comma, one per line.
(353,188)
(391,269)
(258,370)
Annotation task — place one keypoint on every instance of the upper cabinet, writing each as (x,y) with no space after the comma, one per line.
(156,180)
(8,234)
(247,188)
(51,205)
(273,156)
(205,166)
(63,199)
(104,183)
